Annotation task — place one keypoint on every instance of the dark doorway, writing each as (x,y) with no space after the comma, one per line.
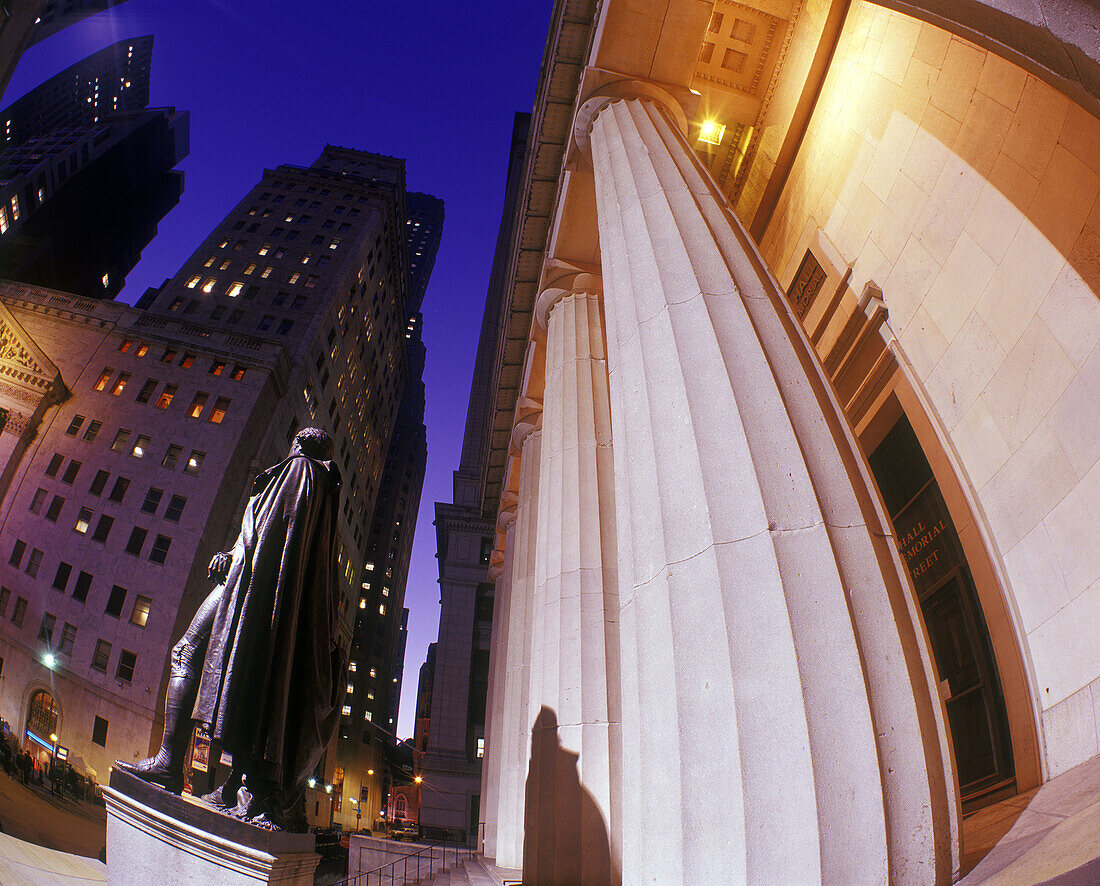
(957,631)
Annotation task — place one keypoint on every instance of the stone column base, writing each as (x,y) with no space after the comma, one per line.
(157,837)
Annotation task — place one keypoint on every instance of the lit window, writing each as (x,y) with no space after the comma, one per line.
(140,614)
(265,249)
(480,748)
(346,710)
(373,672)
(206,264)
(217,414)
(105,280)
(334,244)
(15,207)
(140,445)
(194,462)
(3,219)
(197,404)
(382,609)
(370,694)
(208,286)
(165,398)
(120,383)
(142,350)
(83,520)
(266,272)
(367,715)
(217,368)
(104,379)
(306,257)
(353,666)
(362,602)
(351,689)
(224,266)
(293,278)
(235,289)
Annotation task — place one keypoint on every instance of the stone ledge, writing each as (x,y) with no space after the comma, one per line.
(154,836)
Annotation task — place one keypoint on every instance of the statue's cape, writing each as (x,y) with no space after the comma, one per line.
(271,683)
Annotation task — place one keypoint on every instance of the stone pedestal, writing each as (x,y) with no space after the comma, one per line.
(157,837)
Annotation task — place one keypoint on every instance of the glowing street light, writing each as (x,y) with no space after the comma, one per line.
(49,660)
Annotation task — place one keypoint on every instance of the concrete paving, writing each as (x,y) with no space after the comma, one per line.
(30,813)
(1046,837)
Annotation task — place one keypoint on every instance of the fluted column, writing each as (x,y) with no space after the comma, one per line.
(777,719)
(493,763)
(515,737)
(574,711)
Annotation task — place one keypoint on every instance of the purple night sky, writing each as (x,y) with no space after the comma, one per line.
(268,83)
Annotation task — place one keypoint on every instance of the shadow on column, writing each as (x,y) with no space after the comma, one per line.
(565,837)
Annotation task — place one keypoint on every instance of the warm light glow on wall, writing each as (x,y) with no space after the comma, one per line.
(711,132)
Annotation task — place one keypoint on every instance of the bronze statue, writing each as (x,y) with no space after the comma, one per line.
(260,666)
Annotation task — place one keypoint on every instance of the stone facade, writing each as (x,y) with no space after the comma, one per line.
(801,256)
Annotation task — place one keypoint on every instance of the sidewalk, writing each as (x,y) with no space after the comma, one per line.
(31,813)
(1049,836)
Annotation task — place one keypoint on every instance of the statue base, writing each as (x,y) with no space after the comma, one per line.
(157,837)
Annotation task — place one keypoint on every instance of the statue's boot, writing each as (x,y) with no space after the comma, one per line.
(225,797)
(258,803)
(166,768)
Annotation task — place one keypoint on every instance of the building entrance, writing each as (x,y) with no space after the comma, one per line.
(42,721)
(957,631)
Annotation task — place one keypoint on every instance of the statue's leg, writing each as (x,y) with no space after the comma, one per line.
(166,768)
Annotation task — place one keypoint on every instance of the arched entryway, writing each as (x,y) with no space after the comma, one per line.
(971,633)
(41,727)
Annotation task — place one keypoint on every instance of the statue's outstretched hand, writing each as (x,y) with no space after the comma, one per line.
(219,567)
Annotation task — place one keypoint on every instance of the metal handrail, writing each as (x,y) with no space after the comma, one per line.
(387,873)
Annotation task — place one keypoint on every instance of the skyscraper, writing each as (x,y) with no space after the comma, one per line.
(134,440)
(378,634)
(458,677)
(116,78)
(26,22)
(86,173)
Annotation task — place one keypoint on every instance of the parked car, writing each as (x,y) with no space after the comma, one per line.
(404,830)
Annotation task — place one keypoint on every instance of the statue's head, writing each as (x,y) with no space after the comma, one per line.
(314,443)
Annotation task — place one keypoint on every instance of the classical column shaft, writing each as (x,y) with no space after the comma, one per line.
(492,765)
(515,737)
(574,711)
(753,591)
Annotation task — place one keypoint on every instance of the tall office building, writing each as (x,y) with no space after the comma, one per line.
(458,676)
(795,544)
(116,78)
(25,22)
(365,750)
(87,173)
(78,205)
(134,435)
